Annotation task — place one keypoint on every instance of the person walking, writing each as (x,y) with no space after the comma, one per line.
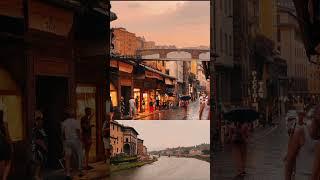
(71,133)
(302,145)
(151,106)
(122,107)
(86,129)
(204,112)
(5,146)
(39,146)
(137,103)
(132,107)
(157,102)
(239,135)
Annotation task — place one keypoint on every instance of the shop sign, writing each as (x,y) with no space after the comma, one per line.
(87,89)
(124,67)
(52,68)
(48,18)
(11,8)
(150,74)
(125,82)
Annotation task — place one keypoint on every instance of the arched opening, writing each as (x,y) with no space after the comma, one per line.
(126,149)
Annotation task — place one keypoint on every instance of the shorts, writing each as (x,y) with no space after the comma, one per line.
(71,146)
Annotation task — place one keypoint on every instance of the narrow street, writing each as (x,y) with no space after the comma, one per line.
(265,154)
(167,169)
(190,113)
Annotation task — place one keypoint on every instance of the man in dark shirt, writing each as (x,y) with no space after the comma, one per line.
(86,134)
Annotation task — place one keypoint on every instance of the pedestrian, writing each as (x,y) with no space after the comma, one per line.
(143,104)
(132,107)
(5,146)
(39,146)
(151,105)
(301,149)
(239,135)
(86,129)
(71,133)
(106,137)
(204,112)
(137,103)
(122,107)
(157,102)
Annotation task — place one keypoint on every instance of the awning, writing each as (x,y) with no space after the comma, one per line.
(169,81)
(150,74)
(157,72)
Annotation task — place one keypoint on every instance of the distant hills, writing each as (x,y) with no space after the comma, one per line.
(191,150)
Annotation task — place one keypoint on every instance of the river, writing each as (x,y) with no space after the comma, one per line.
(166,168)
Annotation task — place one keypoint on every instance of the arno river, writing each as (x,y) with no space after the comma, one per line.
(167,169)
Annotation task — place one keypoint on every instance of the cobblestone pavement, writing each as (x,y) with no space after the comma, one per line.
(265,153)
(190,113)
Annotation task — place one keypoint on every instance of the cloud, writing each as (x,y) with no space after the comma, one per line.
(180,23)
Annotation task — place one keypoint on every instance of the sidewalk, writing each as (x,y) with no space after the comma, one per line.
(100,170)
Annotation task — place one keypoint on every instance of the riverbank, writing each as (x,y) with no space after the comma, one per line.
(202,158)
(129,165)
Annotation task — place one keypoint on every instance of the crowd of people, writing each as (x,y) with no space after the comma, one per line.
(76,138)
(302,158)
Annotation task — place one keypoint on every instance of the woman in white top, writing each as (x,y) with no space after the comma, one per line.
(204,113)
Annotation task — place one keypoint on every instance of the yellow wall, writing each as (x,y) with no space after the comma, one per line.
(194,67)
(6,82)
(12,105)
(267,18)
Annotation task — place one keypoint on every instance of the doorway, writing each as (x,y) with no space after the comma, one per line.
(126,93)
(51,99)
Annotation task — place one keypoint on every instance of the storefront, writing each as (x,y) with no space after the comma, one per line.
(114,95)
(42,69)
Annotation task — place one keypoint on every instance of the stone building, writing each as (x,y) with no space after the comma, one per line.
(130,146)
(302,75)
(116,138)
(125,42)
(140,147)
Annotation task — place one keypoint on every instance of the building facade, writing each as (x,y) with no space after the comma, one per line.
(303,81)
(125,42)
(116,138)
(130,146)
(48,63)
(140,147)
(225,47)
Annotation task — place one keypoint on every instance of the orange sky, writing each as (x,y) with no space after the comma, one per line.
(180,23)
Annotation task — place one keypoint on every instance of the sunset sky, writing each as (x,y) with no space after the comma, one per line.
(180,23)
(158,135)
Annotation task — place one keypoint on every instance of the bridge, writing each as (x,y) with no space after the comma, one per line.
(195,53)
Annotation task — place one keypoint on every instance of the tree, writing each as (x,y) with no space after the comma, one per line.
(206,152)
